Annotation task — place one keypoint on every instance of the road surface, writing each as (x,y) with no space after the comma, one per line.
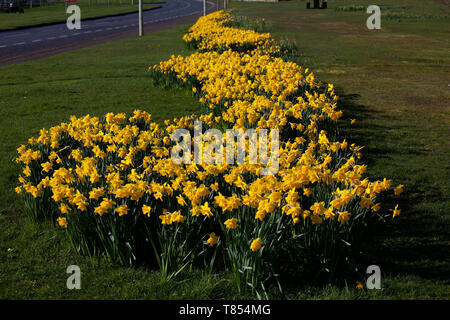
(37,42)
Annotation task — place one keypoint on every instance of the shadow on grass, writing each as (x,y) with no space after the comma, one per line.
(417,242)
(363,132)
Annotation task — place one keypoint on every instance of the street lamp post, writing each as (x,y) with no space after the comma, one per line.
(141,24)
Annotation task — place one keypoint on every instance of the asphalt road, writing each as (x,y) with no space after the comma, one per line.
(36,42)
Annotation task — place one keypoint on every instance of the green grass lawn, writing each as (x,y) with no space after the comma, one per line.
(396,89)
(56,12)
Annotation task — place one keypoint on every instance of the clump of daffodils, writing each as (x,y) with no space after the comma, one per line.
(111,184)
(211,32)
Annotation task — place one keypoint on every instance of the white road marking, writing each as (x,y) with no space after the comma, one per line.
(51,38)
(37,40)
(18,43)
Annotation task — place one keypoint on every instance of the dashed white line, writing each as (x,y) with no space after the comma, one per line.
(63,36)
(3,46)
(51,38)
(18,43)
(37,40)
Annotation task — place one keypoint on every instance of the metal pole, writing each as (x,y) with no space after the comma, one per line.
(141,24)
(204,7)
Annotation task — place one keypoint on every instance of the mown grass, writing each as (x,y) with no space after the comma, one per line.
(56,12)
(402,118)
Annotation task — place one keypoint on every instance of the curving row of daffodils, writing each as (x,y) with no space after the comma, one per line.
(212,32)
(112,184)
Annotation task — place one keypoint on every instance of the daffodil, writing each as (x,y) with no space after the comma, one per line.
(146,210)
(212,240)
(231,223)
(396,211)
(256,244)
(62,222)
